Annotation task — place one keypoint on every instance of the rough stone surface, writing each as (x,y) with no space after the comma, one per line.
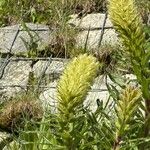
(15,73)
(53,68)
(41,34)
(90,26)
(90,20)
(49,96)
(93,38)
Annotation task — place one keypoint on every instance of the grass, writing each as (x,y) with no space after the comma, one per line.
(55,14)
(15,111)
(48,12)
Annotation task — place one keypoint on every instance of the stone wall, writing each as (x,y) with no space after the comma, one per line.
(13,38)
(14,74)
(91,27)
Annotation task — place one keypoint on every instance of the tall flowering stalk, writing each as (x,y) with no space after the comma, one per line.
(128,24)
(127,105)
(72,90)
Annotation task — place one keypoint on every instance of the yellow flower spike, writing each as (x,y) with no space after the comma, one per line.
(75,82)
(125,109)
(128,23)
(127,105)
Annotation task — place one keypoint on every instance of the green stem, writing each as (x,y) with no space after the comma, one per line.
(147,118)
(117,143)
